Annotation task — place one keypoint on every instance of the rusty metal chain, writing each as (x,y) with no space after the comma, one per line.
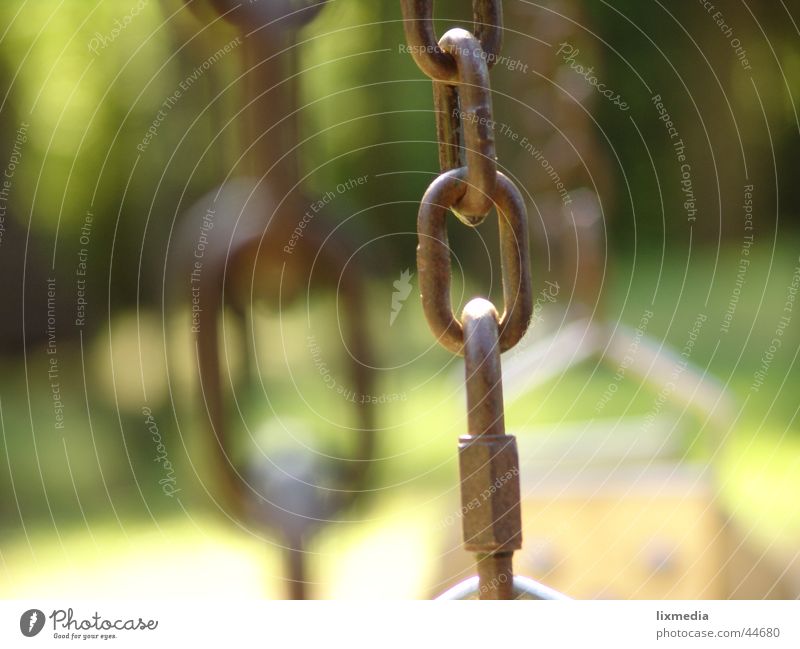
(292,494)
(469,186)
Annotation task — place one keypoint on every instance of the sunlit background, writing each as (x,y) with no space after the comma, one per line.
(654,399)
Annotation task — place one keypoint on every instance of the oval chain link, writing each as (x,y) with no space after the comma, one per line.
(433,261)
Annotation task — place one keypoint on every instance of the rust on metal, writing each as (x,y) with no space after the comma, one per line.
(469,186)
(523,588)
(474,112)
(433,261)
(482,370)
(495,576)
(449,134)
(488,460)
(423,44)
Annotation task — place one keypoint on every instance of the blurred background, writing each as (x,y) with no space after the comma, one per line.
(199,191)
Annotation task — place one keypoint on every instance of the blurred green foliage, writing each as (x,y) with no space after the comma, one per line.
(367,107)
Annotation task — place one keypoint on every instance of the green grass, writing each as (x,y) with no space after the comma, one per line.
(111,472)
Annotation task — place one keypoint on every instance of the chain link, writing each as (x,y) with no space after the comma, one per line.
(471,116)
(438,64)
(433,261)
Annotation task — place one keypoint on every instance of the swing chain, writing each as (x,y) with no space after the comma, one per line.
(469,186)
